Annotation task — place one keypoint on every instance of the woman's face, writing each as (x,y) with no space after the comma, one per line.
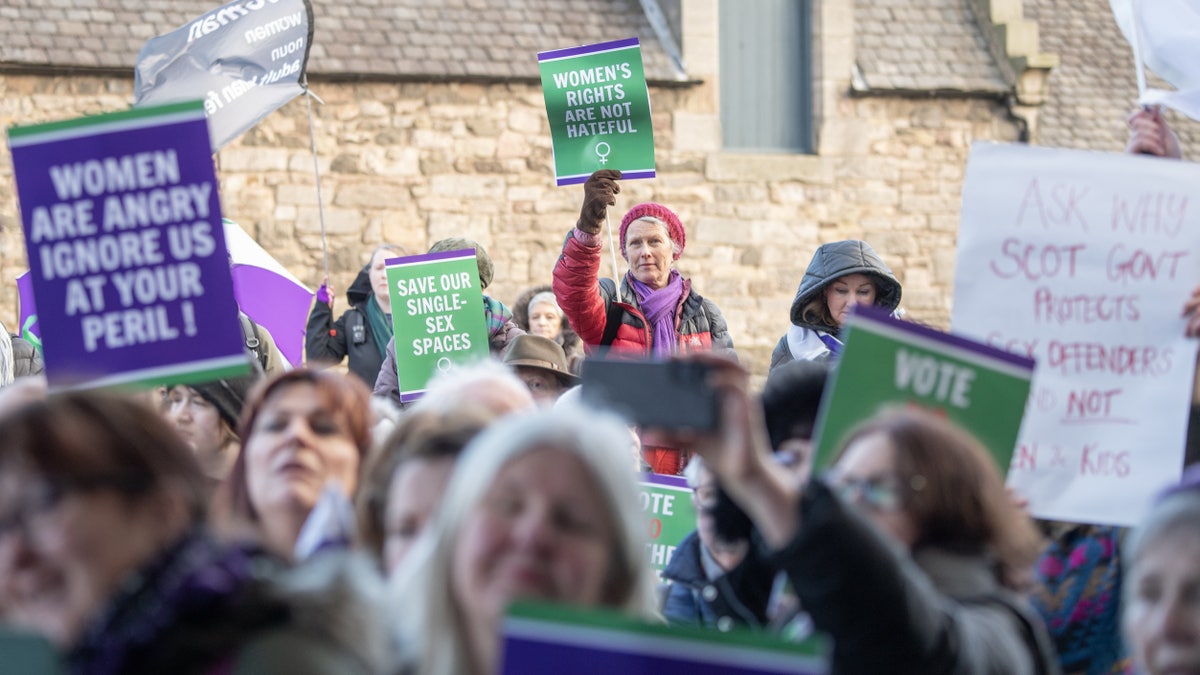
(845,292)
(542,531)
(197,422)
(295,447)
(64,553)
(414,494)
(545,320)
(378,276)
(1162,613)
(649,251)
(867,476)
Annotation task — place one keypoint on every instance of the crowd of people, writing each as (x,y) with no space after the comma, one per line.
(304,521)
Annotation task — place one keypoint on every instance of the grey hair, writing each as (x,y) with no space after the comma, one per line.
(676,249)
(398,250)
(1177,513)
(430,627)
(447,390)
(545,297)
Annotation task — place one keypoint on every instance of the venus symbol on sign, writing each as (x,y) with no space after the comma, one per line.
(603,153)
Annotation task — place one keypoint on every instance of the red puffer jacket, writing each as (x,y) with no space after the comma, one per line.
(585,299)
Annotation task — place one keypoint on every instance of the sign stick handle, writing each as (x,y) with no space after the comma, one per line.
(312,137)
(612,248)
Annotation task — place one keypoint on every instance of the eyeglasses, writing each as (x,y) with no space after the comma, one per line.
(34,504)
(47,495)
(876,492)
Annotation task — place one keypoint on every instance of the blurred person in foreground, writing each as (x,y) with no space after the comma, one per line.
(540,507)
(406,477)
(911,555)
(104,551)
(304,435)
(1161,614)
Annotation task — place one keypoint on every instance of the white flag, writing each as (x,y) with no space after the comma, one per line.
(1168,38)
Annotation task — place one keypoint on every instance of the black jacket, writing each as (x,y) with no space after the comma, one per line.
(329,341)
(937,612)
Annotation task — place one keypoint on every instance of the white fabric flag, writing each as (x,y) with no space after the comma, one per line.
(1168,37)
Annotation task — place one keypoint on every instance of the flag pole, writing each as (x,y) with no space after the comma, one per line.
(312,137)
(612,249)
(1139,64)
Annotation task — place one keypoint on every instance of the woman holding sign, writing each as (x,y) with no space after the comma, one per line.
(655,312)
(842,274)
(540,507)
(910,555)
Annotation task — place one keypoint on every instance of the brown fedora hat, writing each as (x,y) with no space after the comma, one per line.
(535,351)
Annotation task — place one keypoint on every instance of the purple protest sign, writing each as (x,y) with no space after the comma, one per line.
(546,640)
(126,250)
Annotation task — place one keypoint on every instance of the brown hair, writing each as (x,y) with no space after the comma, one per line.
(951,488)
(346,397)
(816,311)
(91,440)
(421,435)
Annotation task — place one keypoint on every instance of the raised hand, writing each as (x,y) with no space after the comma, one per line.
(599,192)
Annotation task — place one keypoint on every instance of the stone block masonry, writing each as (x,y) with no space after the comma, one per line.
(414,162)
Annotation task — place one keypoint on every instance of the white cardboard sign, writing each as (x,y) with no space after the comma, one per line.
(1082,261)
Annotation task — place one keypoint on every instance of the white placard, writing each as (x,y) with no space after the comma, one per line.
(1082,261)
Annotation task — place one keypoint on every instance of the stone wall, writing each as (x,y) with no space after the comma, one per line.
(411,163)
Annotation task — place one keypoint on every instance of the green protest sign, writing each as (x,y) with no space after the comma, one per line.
(667,502)
(886,361)
(437,316)
(599,110)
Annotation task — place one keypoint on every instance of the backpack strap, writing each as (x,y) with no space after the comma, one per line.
(250,335)
(612,317)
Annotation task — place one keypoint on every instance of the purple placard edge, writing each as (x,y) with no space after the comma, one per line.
(587,49)
(882,316)
(663,479)
(625,175)
(426,257)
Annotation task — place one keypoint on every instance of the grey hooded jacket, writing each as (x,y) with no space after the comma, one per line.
(829,262)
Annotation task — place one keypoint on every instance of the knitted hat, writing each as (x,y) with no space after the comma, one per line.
(482,259)
(659,212)
(229,395)
(535,351)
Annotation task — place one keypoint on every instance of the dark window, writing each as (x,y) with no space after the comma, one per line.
(766,75)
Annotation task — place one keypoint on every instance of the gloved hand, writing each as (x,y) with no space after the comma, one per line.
(325,293)
(599,192)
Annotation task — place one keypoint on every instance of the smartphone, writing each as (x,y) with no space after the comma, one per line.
(652,394)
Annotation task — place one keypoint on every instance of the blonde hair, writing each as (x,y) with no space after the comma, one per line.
(431,627)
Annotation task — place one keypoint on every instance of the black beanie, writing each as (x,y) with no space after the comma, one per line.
(228,395)
(790,400)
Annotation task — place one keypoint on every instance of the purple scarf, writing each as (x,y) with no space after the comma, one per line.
(659,309)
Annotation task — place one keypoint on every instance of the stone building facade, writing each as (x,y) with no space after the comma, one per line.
(411,158)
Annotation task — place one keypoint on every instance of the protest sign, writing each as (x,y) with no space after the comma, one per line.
(437,316)
(1082,261)
(547,640)
(889,361)
(599,110)
(667,501)
(126,251)
(245,59)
